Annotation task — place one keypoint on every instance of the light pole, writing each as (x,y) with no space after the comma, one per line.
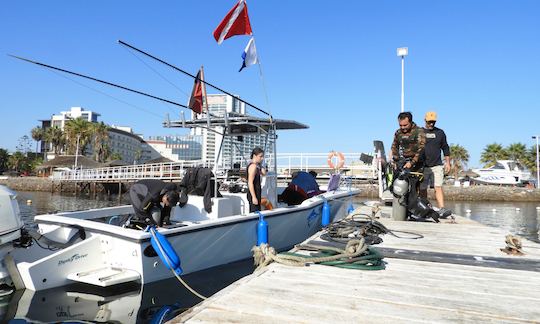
(537,161)
(402,51)
(77,150)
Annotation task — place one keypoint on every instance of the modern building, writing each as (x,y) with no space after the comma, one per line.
(176,148)
(234,149)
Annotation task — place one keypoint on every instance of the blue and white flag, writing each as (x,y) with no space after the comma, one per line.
(249,55)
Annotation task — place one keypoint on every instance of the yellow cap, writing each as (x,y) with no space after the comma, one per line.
(431,116)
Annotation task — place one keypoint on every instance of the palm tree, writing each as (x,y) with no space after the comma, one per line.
(100,133)
(530,159)
(517,152)
(78,131)
(458,159)
(16,161)
(55,136)
(37,135)
(492,153)
(4,157)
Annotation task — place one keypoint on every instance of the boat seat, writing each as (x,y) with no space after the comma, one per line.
(194,209)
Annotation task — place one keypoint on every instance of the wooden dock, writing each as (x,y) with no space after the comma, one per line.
(455,273)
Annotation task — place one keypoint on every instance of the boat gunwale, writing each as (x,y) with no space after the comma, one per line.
(139,236)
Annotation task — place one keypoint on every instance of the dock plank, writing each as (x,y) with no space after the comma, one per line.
(407,291)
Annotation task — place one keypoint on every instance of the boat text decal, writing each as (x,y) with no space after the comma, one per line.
(312,217)
(74,257)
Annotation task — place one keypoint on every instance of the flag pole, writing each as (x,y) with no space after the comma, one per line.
(191,75)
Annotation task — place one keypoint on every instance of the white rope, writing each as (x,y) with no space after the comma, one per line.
(172,270)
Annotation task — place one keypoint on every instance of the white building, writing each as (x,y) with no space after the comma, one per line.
(122,140)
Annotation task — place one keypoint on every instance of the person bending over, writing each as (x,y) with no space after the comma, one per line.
(153,200)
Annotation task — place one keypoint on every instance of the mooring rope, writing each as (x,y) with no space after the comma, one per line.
(355,255)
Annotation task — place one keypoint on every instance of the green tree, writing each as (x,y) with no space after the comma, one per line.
(101,147)
(492,153)
(115,156)
(55,136)
(78,131)
(517,152)
(24,145)
(37,135)
(4,157)
(17,161)
(459,157)
(530,159)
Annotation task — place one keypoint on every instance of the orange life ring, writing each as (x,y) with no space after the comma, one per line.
(340,157)
(266,204)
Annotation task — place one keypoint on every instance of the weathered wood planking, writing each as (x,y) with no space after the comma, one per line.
(408,291)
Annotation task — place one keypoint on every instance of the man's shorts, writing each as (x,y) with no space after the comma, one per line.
(434,174)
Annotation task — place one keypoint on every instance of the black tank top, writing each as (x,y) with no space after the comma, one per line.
(256,182)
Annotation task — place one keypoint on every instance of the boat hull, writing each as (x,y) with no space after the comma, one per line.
(199,244)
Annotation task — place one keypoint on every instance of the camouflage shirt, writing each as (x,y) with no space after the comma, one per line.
(410,145)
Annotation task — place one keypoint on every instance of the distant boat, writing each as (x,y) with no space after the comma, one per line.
(504,172)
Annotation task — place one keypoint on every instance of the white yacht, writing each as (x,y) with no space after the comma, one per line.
(504,172)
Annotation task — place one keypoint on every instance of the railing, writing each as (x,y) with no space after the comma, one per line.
(287,163)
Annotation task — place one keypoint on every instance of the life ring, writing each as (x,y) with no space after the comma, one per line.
(266,204)
(340,157)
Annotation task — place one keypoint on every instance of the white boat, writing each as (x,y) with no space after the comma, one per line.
(504,172)
(95,247)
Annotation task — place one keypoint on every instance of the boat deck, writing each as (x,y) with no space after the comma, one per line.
(455,273)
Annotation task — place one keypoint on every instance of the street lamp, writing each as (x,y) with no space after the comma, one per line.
(537,161)
(402,51)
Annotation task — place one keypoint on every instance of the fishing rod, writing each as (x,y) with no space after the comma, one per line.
(194,77)
(98,80)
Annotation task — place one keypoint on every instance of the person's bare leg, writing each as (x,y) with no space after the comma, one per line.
(439,195)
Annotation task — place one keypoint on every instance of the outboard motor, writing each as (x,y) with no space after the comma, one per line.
(10,229)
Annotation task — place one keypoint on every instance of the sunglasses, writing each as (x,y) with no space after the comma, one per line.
(431,121)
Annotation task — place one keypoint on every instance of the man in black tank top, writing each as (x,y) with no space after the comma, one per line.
(254,171)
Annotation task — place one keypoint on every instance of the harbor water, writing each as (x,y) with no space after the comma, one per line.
(136,304)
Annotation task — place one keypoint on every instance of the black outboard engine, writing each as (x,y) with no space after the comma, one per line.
(406,203)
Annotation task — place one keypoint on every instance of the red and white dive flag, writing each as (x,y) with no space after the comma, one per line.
(235,23)
(196,100)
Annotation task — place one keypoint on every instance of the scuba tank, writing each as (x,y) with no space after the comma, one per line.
(400,189)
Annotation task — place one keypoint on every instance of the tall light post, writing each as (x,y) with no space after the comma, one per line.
(402,51)
(537,162)
(77,150)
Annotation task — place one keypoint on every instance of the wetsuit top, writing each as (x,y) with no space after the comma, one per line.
(435,142)
(410,145)
(256,183)
(148,193)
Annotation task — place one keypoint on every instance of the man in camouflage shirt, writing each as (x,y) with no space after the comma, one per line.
(409,142)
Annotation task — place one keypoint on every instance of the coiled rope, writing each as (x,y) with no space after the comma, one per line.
(356,255)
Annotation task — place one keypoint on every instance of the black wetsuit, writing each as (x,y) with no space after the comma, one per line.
(256,187)
(146,194)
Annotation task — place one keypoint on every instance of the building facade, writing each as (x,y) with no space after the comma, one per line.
(235,148)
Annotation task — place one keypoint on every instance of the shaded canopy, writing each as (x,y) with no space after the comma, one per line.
(68,161)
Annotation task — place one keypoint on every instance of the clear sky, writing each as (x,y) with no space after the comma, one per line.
(329,64)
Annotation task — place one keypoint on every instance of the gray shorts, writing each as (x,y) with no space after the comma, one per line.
(432,175)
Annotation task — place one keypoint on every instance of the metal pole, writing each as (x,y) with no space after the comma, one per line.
(537,163)
(77,150)
(402,83)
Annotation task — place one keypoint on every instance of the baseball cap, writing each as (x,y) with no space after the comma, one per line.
(431,116)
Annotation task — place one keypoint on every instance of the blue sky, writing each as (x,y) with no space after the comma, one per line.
(329,64)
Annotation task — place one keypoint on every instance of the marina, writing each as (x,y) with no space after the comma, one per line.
(456,272)
(130,194)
